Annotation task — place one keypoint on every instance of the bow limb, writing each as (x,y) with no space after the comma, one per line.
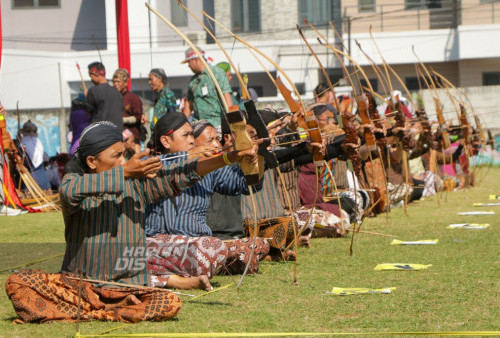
(270,158)
(310,118)
(400,119)
(242,140)
(243,85)
(376,70)
(236,123)
(383,62)
(337,106)
(262,132)
(345,122)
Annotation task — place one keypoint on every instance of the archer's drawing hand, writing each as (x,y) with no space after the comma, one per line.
(137,168)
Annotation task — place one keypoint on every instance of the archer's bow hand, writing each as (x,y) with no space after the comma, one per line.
(249,155)
(2,110)
(313,146)
(137,168)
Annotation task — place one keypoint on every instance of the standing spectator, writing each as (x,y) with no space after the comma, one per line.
(202,97)
(132,104)
(164,98)
(79,119)
(226,67)
(104,102)
(34,151)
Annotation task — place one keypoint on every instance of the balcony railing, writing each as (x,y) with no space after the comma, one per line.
(424,15)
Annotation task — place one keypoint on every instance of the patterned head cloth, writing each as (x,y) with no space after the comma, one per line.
(159,72)
(199,126)
(97,68)
(190,54)
(122,74)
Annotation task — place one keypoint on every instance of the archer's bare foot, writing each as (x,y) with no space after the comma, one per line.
(189,283)
(289,255)
(303,241)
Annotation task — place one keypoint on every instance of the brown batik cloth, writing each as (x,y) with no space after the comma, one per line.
(277,231)
(38,297)
(239,251)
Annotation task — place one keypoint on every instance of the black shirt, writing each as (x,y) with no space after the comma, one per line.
(105,104)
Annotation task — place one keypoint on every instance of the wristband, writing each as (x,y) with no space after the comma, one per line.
(226,160)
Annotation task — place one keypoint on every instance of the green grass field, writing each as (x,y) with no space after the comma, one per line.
(460,292)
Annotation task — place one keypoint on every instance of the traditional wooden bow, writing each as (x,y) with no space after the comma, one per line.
(236,122)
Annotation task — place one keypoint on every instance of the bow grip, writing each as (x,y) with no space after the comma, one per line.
(242,141)
(314,136)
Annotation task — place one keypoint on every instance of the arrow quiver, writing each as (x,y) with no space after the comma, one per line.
(242,141)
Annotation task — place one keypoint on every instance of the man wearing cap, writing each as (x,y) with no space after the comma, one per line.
(104,103)
(132,104)
(203,99)
(179,225)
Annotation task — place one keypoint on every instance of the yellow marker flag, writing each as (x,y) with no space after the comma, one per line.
(468,226)
(486,204)
(421,242)
(358,291)
(495,197)
(401,266)
(475,213)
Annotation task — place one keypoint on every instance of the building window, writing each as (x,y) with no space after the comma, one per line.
(491,78)
(422,4)
(245,15)
(178,15)
(366,5)
(317,12)
(35,3)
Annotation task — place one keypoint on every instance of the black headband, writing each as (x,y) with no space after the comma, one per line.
(96,138)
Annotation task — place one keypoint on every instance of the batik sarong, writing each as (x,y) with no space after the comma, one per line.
(184,256)
(238,254)
(39,297)
(430,184)
(322,223)
(277,231)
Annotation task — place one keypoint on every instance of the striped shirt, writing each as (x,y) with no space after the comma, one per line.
(186,214)
(267,200)
(104,220)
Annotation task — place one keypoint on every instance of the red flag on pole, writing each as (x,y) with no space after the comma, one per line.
(123,36)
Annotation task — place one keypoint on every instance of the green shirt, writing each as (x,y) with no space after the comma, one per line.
(203,93)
